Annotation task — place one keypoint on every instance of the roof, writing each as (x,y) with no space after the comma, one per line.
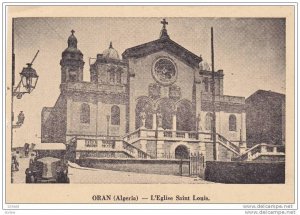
(165,44)
(50,146)
(48,159)
(266,94)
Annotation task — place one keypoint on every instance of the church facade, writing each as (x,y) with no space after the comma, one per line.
(152,102)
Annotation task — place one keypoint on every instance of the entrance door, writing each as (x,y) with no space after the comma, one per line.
(181,152)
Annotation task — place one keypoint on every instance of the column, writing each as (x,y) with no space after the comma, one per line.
(132,104)
(243,126)
(154,121)
(174,122)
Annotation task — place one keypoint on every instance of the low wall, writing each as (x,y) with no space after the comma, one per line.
(162,167)
(245,172)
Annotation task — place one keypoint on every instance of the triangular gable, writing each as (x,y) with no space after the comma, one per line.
(165,44)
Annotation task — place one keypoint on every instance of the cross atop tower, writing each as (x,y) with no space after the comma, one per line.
(72,32)
(164,22)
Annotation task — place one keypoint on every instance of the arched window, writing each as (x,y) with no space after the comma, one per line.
(118,77)
(112,77)
(144,105)
(232,122)
(115,115)
(208,121)
(85,113)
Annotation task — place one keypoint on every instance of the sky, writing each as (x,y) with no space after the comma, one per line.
(251,51)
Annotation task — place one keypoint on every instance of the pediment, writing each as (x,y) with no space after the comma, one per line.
(163,44)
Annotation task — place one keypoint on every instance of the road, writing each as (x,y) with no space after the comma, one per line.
(80,175)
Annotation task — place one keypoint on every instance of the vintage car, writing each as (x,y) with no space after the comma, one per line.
(47,170)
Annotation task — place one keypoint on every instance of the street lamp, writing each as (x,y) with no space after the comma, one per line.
(28,80)
(27,84)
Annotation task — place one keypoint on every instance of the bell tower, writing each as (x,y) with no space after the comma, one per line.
(72,62)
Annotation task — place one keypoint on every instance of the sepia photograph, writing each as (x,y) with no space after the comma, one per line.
(160,100)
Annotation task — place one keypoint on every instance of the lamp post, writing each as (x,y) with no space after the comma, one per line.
(213,97)
(26,85)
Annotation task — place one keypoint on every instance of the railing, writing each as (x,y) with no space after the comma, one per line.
(132,136)
(150,133)
(167,133)
(134,151)
(261,149)
(92,136)
(180,134)
(94,143)
(110,145)
(228,143)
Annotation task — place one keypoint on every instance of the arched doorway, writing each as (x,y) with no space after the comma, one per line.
(181,152)
(166,108)
(184,117)
(144,105)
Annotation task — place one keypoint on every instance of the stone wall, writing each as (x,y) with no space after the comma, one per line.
(162,167)
(245,172)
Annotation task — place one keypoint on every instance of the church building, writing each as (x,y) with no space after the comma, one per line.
(154,101)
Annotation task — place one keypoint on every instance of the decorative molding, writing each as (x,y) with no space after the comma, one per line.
(154,91)
(174,92)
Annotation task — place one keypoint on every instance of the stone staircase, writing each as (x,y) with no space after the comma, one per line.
(89,146)
(263,152)
(127,145)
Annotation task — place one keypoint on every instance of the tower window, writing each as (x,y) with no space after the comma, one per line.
(72,75)
(232,122)
(208,121)
(85,113)
(118,77)
(111,77)
(115,115)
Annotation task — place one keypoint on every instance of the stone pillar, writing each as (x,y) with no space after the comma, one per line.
(243,126)
(174,122)
(199,123)
(263,148)
(132,104)
(143,145)
(154,121)
(202,148)
(160,148)
(159,121)
(143,119)
(197,92)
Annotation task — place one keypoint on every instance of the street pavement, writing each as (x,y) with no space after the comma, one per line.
(19,176)
(81,175)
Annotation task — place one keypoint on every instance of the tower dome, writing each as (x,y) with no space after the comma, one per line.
(111,53)
(72,47)
(72,40)
(72,61)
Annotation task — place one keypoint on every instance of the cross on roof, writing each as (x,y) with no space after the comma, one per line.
(72,32)
(164,22)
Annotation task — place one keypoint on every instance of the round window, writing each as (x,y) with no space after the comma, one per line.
(164,71)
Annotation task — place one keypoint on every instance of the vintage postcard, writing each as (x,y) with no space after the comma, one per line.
(150,104)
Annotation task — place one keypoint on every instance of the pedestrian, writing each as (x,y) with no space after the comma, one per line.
(31,161)
(16,158)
